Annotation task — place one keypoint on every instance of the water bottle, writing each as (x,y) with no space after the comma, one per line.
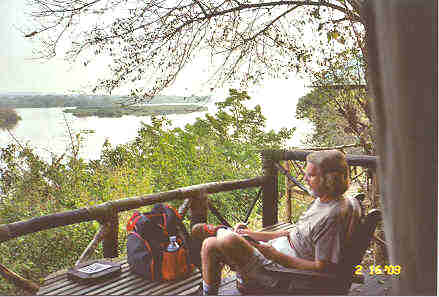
(173,245)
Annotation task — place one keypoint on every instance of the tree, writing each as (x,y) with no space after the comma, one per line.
(150,42)
(339,105)
(8,118)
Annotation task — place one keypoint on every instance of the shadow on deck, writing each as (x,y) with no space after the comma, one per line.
(375,285)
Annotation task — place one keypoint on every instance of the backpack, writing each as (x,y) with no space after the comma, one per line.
(148,240)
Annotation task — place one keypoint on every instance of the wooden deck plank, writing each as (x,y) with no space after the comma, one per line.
(189,286)
(62,291)
(55,279)
(108,286)
(189,292)
(95,286)
(124,286)
(54,287)
(141,289)
(195,283)
(134,286)
(167,286)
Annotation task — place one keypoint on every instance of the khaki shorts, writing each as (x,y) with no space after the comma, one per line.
(255,271)
(264,276)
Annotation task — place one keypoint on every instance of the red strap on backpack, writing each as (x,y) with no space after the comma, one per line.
(175,211)
(132,221)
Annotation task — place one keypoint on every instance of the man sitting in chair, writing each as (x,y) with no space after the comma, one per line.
(314,244)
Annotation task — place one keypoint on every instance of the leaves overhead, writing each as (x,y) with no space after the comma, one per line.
(148,43)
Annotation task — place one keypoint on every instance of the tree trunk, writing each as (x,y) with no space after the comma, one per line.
(402,42)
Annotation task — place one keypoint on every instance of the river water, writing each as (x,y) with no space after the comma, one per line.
(45,130)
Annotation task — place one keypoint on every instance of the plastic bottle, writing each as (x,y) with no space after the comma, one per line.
(173,245)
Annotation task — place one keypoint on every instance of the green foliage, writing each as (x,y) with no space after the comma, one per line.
(339,105)
(34,188)
(219,147)
(223,146)
(337,119)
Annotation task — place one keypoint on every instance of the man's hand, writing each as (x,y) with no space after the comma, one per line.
(266,249)
(241,228)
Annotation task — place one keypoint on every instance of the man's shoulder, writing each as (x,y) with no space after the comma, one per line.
(345,209)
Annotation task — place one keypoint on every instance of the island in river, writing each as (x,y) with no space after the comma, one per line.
(105,106)
(145,110)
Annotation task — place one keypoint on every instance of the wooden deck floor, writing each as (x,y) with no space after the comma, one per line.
(127,283)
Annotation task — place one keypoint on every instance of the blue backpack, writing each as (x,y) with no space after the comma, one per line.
(148,240)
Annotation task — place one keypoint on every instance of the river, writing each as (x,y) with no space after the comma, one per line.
(45,130)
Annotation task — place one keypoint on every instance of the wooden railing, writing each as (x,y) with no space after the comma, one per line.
(195,198)
(107,214)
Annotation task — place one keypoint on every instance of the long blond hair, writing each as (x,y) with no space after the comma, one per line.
(334,170)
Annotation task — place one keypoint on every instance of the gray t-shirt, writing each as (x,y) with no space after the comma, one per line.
(319,234)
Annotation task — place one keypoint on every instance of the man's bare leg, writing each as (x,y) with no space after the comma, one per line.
(227,247)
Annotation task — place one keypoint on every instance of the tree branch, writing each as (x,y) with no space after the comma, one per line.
(269,4)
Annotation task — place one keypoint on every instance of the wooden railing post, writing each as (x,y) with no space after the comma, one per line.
(111,236)
(269,190)
(288,186)
(198,209)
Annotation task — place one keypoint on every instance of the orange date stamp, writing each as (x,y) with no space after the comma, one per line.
(378,269)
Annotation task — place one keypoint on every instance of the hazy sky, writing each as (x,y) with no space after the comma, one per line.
(277,98)
(21,74)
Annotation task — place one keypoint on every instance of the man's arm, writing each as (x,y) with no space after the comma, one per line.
(291,262)
(263,235)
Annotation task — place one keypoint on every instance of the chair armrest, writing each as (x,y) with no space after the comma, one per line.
(359,279)
(294,271)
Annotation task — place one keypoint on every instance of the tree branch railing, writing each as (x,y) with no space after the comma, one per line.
(102,213)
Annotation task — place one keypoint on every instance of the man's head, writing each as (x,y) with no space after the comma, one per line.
(327,173)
